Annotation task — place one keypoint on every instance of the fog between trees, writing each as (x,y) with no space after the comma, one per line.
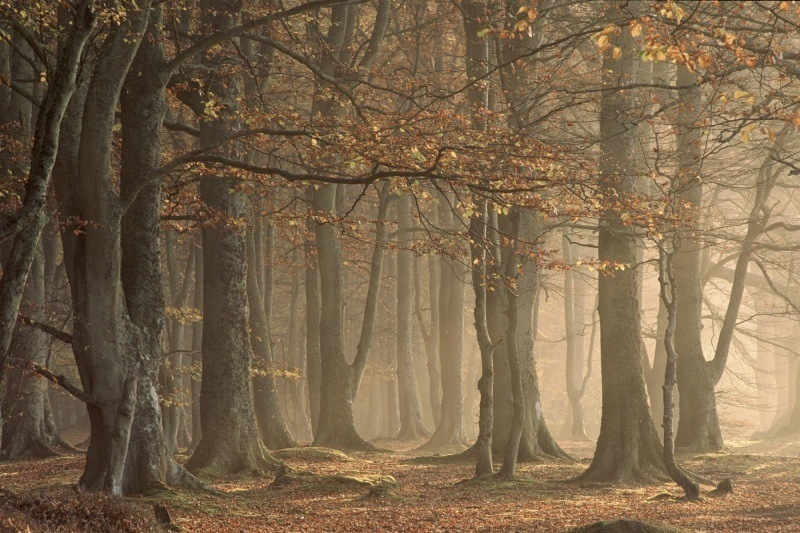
(475,228)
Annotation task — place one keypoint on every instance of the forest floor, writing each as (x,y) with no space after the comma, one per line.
(433,496)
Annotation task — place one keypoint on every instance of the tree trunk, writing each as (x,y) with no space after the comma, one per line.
(450,431)
(273,429)
(698,427)
(628,448)
(340,379)
(483,444)
(669,297)
(411,425)
(32,217)
(302,422)
(518,420)
(148,463)
(574,332)
(313,349)
(336,426)
(25,433)
(230,441)
(197,347)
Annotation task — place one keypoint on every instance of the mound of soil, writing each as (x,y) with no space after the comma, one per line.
(627,526)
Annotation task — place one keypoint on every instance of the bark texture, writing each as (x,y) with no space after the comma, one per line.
(628,448)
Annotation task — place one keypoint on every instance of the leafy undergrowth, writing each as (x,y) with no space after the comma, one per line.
(432,497)
(63,509)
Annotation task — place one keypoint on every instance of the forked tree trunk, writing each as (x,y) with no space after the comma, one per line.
(340,379)
(698,426)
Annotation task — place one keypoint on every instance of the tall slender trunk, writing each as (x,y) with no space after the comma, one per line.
(574,332)
(195,371)
(273,429)
(483,444)
(411,425)
(450,431)
(669,297)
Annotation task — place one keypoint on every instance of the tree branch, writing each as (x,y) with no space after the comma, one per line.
(63,336)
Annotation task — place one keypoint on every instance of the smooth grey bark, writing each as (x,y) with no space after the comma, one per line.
(430,334)
(297,389)
(172,368)
(537,443)
(516,76)
(411,425)
(628,448)
(339,379)
(274,432)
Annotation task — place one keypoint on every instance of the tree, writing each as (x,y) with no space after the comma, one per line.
(411,425)
(628,448)
(26,225)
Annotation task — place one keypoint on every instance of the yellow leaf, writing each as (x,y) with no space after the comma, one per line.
(617,53)
(602,41)
(740,94)
(745,137)
(636,29)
